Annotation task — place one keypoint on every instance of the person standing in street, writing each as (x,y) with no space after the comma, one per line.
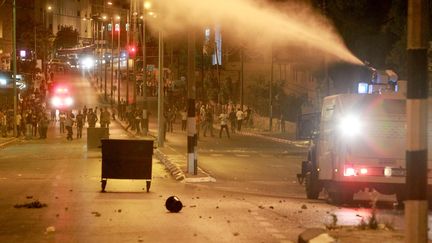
(68,124)
(28,122)
(18,124)
(91,118)
(138,119)
(79,124)
(62,119)
(3,124)
(239,116)
(43,123)
(209,121)
(84,113)
(183,115)
(223,117)
(232,117)
(170,116)
(105,118)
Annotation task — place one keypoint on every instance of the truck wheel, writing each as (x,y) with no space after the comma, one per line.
(312,186)
(339,197)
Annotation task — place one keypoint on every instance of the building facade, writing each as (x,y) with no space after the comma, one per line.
(57,13)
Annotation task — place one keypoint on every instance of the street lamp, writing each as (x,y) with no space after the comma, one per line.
(118,29)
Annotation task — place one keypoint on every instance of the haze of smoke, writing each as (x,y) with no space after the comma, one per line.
(254,22)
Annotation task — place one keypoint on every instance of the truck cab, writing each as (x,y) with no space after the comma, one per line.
(360,143)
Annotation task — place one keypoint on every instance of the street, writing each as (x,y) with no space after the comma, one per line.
(254,197)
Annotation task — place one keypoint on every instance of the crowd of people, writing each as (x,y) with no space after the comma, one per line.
(230,117)
(31,118)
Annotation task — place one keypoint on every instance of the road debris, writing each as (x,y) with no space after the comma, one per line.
(50,229)
(96,214)
(173,204)
(304,206)
(34,204)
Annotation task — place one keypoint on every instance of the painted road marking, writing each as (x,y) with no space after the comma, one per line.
(216,155)
(265,223)
(260,218)
(279,236)
(272,230)
(242,155)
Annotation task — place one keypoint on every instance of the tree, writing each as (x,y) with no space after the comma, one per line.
(396,27)
(29,34)
(66,37)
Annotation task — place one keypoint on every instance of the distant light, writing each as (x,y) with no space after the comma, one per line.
(363,171)
(104,17)
(135,13)
(117,17)
(141,17)
(363,88)
(49,8)
(23,53)
(117,27)
(147,5)
(3,81)
(109,3)
(88,62)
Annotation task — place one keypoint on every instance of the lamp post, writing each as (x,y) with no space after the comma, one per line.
(161,120)
(118,61)
(147,6)
(14,69)
(112,61)
(105,65)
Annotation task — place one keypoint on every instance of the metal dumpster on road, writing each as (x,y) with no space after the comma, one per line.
(94,136)
(127,159)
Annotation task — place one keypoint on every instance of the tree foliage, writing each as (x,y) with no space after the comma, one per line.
(66,37)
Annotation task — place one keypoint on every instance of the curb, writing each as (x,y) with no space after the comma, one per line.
(316,235)
(8,142)
(173,168)
(301,144)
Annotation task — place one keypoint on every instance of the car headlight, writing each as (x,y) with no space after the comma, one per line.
(69,101)
(350,125)
(3,81)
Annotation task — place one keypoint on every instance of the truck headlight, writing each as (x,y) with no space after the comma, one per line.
(350,125)
(69,101)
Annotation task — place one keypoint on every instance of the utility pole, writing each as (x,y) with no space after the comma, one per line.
(143,43)
(271,93)
(192,141)
(127,57)
(96,41)
(416,205)
(161,118)
(112,61)
(241,76)
(14,69)
(118,66)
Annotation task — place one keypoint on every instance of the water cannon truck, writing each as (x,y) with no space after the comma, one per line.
(358,141)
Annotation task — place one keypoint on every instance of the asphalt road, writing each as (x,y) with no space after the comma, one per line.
(255,197)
